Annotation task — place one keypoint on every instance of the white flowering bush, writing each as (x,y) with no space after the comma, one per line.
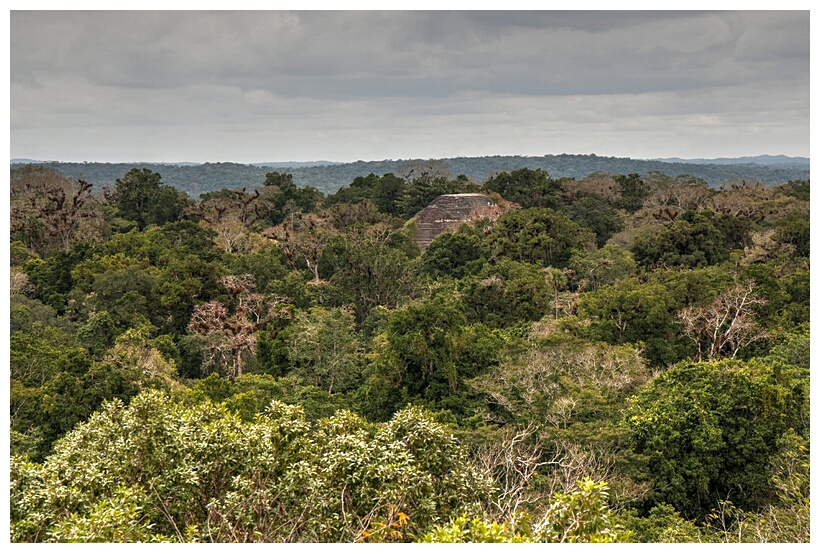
(157,470)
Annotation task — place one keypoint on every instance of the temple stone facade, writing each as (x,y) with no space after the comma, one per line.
(449,211)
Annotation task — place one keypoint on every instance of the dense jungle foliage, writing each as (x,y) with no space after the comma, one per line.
(329,177)
(614,358)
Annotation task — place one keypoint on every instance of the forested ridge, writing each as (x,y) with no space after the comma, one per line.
(196,179)
(617,357)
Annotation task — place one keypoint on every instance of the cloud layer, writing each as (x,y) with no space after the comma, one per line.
(264,86)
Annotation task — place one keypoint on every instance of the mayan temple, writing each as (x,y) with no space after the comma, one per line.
(449,211)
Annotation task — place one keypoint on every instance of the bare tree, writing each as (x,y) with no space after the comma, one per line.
(302,237)
(226,336)
(432,168)
(724,326)
(48,210)
(238,205)
(599,184)
(18,282)
(514,462)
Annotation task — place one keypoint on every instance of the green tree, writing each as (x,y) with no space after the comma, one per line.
(285,197)
(595,213)
(538,236)
(527,187)
(695,239)
(794,230)
(607,265)
(634,191)
(323,344)
(141,197)
(425,340)
(453,254)
(369,266)
(800,189)
(710,429)
(642,314)
(51,278)
(508,293)
(388,193)
(663,524)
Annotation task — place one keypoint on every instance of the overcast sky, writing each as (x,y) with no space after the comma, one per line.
(343,86)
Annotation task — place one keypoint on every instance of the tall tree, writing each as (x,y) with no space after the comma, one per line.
(323,343)
(527,187)
(539,236)
(141,197)
(709,431)
(226,336)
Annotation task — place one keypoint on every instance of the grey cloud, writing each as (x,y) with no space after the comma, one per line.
(548,53)
(405,70)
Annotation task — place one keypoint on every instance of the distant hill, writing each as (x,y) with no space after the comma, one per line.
(758,160)
(198,178)
(277,164)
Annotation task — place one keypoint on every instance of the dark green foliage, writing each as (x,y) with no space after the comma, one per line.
(483,348)
(538,236)
(187,237)
(361,189)
(596,214)
(526,187)
(453,255)
(185,281)
(593,269)
(425,341)
(508,293)
(141,197)
(709,431)
(51,278)
(63,394)
(785,287)
(127,294)
(793,229)
(369,267)
(629,312)
(285,197)
(800,189)
(191,355)
(422,358)
(385,192)
(695,239)
(693,287)
(265,266)
(634,191)
(98,333)
(27,313)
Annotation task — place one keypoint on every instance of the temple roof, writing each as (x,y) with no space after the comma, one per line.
(449,210)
